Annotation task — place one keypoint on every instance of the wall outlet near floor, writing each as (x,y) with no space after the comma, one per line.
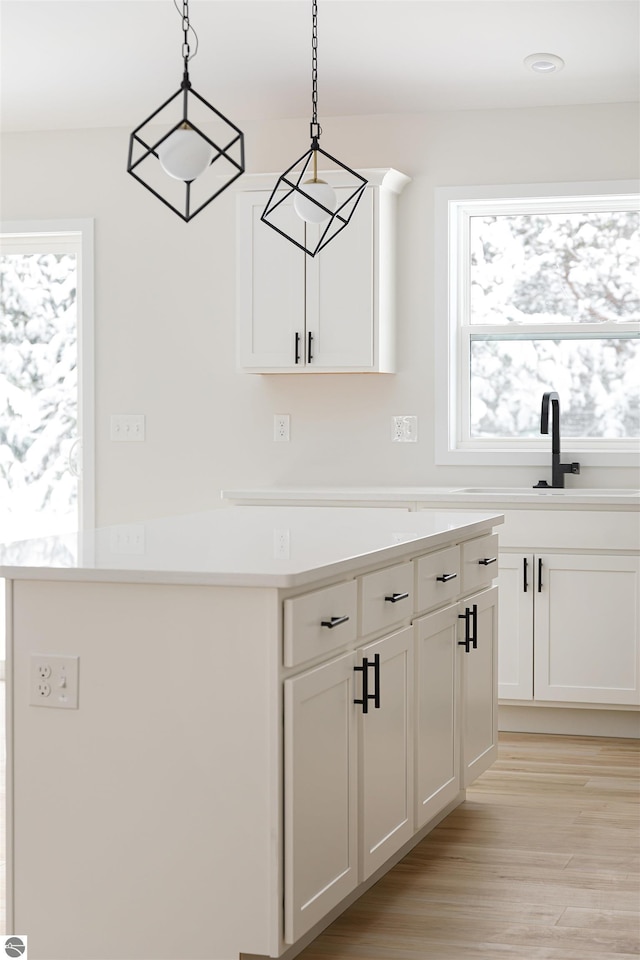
(404,429)
(127,426)
(53,681)
(281,427)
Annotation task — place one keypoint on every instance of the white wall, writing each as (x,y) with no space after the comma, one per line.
(165,336)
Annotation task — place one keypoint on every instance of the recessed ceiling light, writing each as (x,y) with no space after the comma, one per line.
(544,62)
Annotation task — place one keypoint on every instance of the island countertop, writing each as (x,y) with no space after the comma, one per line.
(241,546)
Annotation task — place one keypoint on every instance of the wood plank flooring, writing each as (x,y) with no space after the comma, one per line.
(540,863)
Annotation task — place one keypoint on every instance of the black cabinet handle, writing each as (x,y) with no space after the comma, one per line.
(297,347)
(474,626)
(487,561)
(525,568)
(334,622)
(396,596)
(446,576)
(366,696)
(539,575)
(309,342)
(470,617)
(466,643)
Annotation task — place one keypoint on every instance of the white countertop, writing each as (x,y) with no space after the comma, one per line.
(241,546)
(495,497)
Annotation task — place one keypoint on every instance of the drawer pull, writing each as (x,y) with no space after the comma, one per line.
(487,561)
(446,576)
(334,622)
(396,596)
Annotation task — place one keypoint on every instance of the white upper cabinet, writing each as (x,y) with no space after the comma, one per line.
(332,313)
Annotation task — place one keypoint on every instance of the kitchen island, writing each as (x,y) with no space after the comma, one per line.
(222,728)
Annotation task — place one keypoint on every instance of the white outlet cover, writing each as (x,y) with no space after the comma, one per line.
(404,429)
(53,681)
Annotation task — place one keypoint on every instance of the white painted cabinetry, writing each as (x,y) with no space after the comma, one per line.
(383,735)
(334,312)
(569,628)
(570,608)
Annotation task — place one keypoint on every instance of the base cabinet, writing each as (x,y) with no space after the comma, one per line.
(569,628)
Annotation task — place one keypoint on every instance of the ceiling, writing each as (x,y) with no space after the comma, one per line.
(97,63)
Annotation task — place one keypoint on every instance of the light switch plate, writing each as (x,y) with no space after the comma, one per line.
(127,426)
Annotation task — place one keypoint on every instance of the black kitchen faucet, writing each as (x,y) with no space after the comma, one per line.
(558,469)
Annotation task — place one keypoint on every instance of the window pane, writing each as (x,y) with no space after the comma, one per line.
(555,268)
(598,382)
(38,393)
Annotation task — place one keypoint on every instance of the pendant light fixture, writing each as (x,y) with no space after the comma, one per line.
(314,200)
(172,156)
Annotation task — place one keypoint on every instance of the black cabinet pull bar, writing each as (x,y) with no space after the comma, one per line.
(525,567)
(395,597)
(446,576)
(334,622)
(539,575)
(487,561)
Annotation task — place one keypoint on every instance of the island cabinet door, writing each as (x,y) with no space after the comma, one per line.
(478,660)
(320,788)
(437,721)
(385,747)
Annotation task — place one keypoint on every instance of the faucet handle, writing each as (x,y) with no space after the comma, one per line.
(575,467)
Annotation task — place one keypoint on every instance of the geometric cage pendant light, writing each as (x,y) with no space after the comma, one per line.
(171,155)
(324,211)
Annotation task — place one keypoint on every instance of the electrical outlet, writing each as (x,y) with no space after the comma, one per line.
(281,544)
(281,427)
(53,681)
(404,429)
(127,426)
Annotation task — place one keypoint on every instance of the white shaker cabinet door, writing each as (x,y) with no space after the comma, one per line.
(340,294)
(587,629)
(386,750)
(270,287)
(320,789)
(437,737)
(516,582)
(479,667)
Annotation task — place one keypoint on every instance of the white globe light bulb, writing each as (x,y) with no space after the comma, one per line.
(185,155)
(306,209)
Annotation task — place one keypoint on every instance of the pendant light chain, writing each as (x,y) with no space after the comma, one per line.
(314,69)
(186,49)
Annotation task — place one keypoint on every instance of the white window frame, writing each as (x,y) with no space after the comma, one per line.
(70,236)
(454,207)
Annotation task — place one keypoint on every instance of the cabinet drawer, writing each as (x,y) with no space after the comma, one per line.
(438,578)
(479,562)
(319,622)
(387,597)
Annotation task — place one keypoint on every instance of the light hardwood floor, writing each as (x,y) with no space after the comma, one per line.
(540,863)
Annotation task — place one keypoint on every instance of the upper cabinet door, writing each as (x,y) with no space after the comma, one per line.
(270,287)
(341,298)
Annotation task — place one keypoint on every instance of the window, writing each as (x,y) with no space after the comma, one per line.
(537,289)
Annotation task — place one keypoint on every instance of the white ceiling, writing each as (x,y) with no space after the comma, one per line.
(95,63)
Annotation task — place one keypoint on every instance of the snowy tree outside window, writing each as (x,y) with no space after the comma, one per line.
(38,393)
(543,293)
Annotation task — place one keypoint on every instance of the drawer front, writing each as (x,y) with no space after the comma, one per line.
(387,597)
(438,578)
(319,622)
(479,562)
